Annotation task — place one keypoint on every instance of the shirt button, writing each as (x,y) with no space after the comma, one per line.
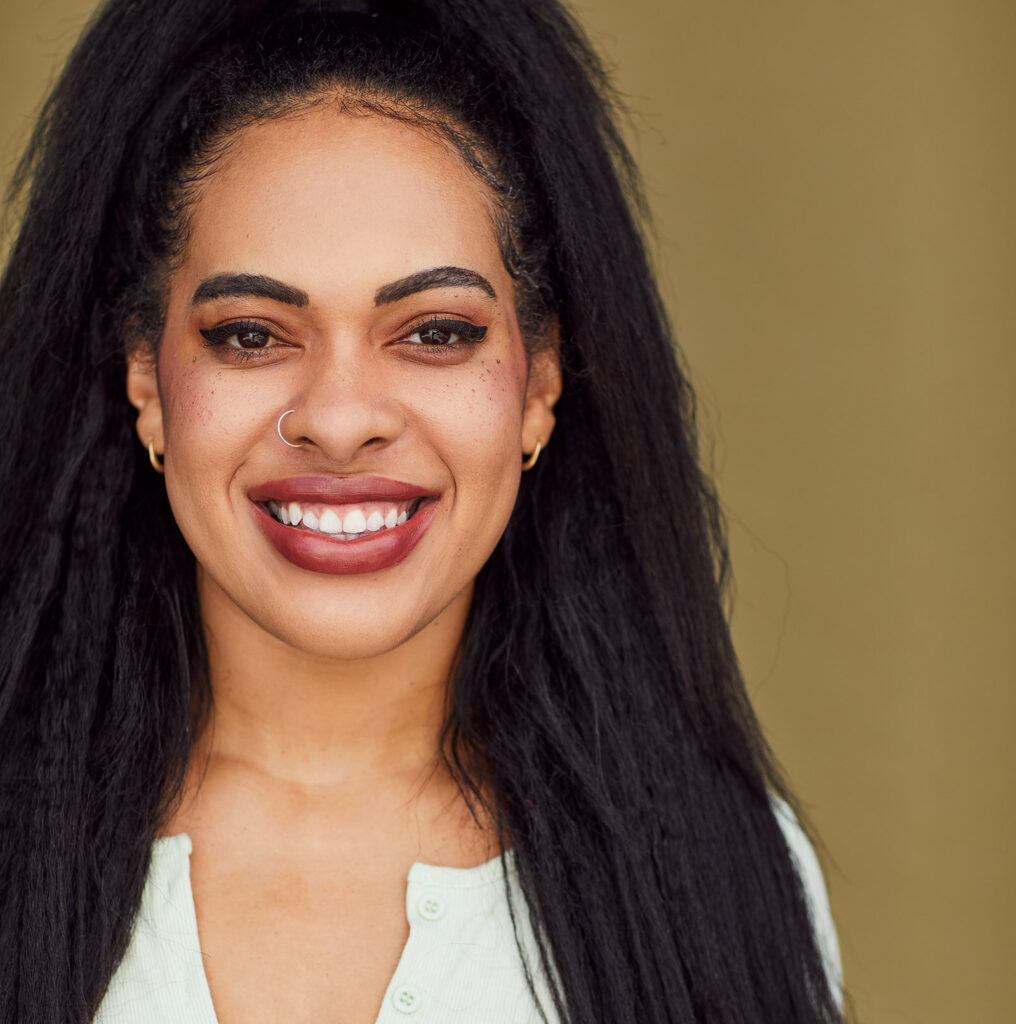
(406,999)
(431,907)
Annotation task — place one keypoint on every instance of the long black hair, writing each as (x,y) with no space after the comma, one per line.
(597,697)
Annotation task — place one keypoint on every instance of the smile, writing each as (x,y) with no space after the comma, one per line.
(343,525)
(343,522)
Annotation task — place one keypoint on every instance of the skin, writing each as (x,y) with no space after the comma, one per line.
(315,785)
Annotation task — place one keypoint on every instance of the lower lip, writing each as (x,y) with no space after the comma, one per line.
(318,552)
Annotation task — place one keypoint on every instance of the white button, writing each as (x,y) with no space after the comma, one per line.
(406,999)
(431,907)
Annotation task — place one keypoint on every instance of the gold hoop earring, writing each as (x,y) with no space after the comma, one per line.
(153,458)
(278,428)
(531,461)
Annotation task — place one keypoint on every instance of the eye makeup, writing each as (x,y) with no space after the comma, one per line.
(249,339)
(252,336)
(439,332)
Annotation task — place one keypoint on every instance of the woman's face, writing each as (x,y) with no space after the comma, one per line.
(347,269)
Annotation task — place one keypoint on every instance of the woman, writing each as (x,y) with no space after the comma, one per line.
(315,707)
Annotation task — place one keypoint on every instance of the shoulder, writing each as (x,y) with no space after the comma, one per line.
(810,873)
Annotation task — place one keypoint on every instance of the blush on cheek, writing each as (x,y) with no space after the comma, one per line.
(484,433)
(503,381)
(185,396)
(508,374)
(198,399)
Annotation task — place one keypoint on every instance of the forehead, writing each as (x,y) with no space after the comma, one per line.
(335,201)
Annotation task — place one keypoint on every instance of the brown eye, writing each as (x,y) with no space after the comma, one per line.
(434,336)
(447,333)
(246,336)
(252,339)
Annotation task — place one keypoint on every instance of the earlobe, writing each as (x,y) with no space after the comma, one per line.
(143,394)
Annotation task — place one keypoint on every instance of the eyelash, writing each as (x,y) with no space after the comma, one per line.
(467,333)
(216,337)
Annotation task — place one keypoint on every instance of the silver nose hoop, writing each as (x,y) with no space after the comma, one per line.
(282,437)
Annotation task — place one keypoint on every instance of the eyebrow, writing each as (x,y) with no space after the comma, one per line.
(437,277)
(234,286)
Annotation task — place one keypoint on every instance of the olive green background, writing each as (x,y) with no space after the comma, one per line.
(833,185)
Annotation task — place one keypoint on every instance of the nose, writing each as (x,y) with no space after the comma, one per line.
(343,405)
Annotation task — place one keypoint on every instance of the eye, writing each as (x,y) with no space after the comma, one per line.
(244,336)
(446,333)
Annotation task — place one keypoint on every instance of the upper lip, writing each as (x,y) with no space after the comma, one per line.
(335,490)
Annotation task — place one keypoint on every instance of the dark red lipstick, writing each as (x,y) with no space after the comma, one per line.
(324,553)
(335,490)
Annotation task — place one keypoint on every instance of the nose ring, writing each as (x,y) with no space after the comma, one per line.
(282,437)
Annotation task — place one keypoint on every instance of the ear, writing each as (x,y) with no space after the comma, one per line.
(143,394)
(543,389)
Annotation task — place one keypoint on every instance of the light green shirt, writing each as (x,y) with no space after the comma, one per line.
(460,965)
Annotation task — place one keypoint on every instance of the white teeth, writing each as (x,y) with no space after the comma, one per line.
(330,522)
(354,522)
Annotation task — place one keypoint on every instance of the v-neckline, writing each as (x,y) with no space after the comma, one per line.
(430,875)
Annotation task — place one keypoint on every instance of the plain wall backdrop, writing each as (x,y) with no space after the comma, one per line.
(833,188)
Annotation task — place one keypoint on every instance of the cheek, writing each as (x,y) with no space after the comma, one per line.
(481,436)
(492,404)
(209,423)
(207,407)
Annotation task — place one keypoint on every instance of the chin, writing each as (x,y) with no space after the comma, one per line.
(371,627)
(347,641)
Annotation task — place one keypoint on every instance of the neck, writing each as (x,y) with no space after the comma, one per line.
(315,720)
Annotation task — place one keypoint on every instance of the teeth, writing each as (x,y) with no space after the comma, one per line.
(330,522)
(354,522)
